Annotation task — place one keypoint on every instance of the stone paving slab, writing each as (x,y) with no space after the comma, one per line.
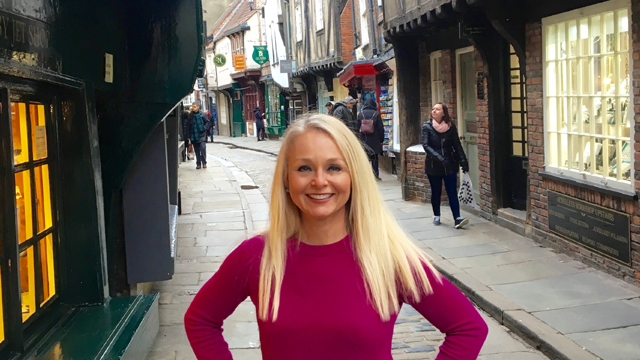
(601,316)
(614,344)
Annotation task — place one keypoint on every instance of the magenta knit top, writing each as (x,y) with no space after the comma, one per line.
(324,312)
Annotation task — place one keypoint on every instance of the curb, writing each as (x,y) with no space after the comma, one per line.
(526,326)
(246,147)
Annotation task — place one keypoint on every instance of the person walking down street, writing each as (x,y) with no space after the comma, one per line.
(329,276)
(371,132)
(259,124)
(329,107)
(186,136)
(211,126)
(445,156)
(197,126)
(343,111)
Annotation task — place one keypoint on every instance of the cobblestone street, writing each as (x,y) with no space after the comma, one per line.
(221,207)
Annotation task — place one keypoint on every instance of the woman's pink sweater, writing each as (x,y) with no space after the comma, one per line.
(324,312)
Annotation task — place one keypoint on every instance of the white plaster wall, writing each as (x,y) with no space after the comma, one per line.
(223,74)
(275,43)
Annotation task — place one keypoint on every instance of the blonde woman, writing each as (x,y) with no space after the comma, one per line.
(330,274)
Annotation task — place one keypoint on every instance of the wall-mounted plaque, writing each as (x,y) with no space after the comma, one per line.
(603,230)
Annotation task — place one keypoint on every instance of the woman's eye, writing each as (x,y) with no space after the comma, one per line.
(304,168)
(334,168)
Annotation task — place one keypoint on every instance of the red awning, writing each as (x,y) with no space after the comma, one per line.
(350,75)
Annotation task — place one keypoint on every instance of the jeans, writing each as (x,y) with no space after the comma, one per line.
(374,164)
(450,184)
(201,152)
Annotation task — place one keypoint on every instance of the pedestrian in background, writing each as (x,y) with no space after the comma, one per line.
(211,126)
(371,132)
(259,123)
(329,107)
(343,111)
(197,126)
(186,136)
(444,158)
(330,274)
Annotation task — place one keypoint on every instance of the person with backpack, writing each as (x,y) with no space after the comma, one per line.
(445,157)
(371,132)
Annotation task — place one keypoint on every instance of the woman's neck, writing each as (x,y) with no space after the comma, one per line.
(325,231)
(438,121)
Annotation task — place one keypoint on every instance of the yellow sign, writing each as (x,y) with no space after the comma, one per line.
(239,62)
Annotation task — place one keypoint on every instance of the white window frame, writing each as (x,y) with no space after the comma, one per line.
(437,78)
(319,14)
(589,175)
(298,23)
(364,23)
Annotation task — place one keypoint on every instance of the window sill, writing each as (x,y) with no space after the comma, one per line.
(625,195)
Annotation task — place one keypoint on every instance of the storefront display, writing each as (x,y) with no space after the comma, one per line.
(386,113)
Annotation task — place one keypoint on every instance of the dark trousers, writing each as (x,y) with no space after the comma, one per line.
(200,148)
(374,164)
(260,133)
(450,184)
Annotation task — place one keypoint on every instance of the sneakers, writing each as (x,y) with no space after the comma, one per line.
(461,222)
(436,220)
(198,167)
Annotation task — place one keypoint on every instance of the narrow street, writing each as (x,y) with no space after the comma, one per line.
(227,203)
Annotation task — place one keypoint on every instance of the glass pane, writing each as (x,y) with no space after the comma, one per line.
(515,90)
(562,44)
(517,149)
(515,62)
(598,153)
(623,74)
(48,271)
(573,77)
(574,141)
(517,134)
(19,129)
(564,146)
(623,30)
(1,312)
(584,37)
(608,83)
(516,119)
(609,35)
(626,160)
(575,114)
(43,198)
(553,115)
(38,131)
(573,39)
(553,149)
(515,105)
(551,79)
(551,42)
(27,283)
(23,206)
(596,44)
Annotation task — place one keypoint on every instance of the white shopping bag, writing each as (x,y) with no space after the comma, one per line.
(465,195)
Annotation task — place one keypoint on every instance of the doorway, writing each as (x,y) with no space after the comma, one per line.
(518,164)
(467,120)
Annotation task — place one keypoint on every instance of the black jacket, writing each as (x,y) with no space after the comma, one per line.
(259,120)
(342,112)
(444,151)
(187,126)
(375,140)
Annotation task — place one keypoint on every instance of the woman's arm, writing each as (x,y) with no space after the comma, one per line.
(431,152)
(217,299)
(457,146)
(454,315)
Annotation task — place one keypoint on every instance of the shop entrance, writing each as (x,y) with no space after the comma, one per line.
(518,164)
(29,233)
(467,122)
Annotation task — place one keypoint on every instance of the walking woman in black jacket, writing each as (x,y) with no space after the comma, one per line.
(444,158)
(373,139)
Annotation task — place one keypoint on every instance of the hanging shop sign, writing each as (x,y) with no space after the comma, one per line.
(239,62)
(287,66)
(603,230)
(260,54)
(219,60)
(202,83)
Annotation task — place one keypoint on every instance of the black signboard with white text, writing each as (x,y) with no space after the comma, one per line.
(603,230)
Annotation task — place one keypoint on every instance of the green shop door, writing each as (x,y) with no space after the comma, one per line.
(237,116)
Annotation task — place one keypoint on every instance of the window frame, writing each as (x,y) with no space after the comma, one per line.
(298,11)
(364,23)
(591,176)
(436,82)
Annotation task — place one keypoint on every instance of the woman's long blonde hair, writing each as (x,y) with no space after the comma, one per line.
(391,264)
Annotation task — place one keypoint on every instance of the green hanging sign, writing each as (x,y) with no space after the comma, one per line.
(219,60)
(260,54)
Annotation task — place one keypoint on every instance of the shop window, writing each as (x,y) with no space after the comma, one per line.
(34,207)
(437,78)
(319,15)
(364,23)
(587,94)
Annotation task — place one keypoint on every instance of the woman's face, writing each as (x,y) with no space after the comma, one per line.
(437,113)
(318,179)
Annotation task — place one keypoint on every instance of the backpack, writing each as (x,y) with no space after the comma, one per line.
(367,125)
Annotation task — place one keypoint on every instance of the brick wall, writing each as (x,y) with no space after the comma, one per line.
(418,187)
(540,186)
(425,82)
(484,159)
(346,33)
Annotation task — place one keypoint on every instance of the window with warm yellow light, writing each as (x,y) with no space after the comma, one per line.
(43,198)
(48,271)
(27,283)
(38,131)
(23,206)
(1,313)
(20,134)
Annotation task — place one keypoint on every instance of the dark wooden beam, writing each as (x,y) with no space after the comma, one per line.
(460,5)
(474,2)
(431,17)
(444,12)
(422,21)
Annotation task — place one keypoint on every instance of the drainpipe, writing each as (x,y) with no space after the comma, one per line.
(353,25)
(288,20)
(307,37)
(372,29)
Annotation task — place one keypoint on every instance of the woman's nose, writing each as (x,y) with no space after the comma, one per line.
(320,179)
